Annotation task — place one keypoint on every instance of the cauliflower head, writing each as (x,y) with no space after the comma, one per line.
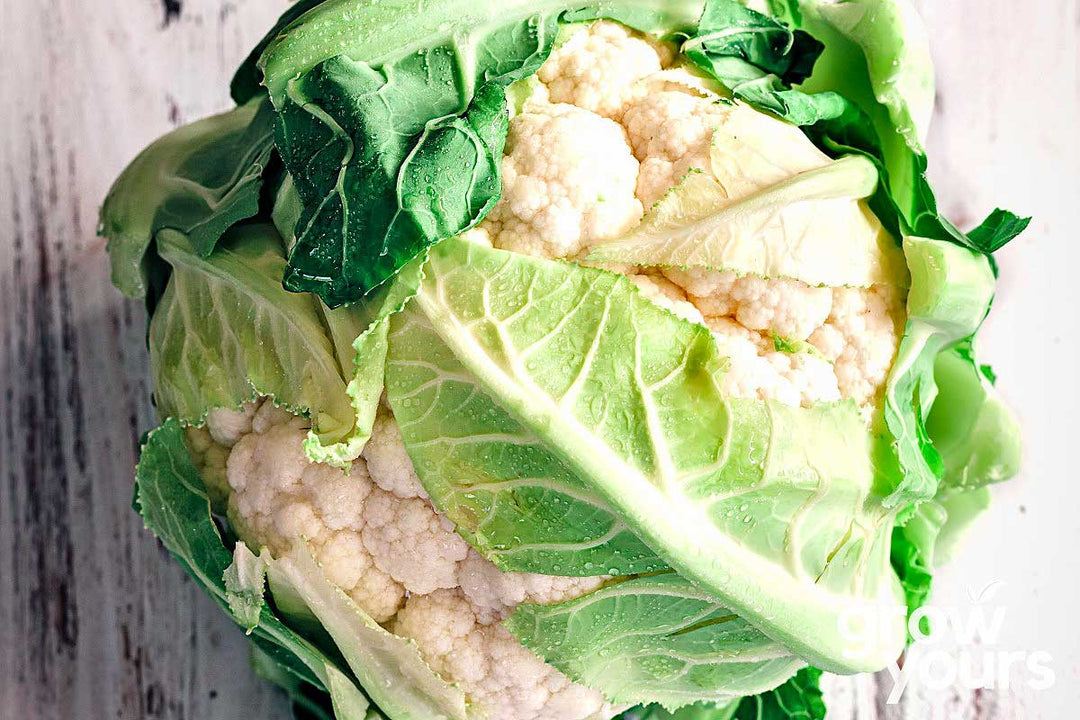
(551,361)
(611,128)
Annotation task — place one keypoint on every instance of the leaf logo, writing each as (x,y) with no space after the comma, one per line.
(986,594)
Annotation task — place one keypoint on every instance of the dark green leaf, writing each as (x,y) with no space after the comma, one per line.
(371,163)
(996,231)
(741,45)
(389,160)
(798,699)
(308,703)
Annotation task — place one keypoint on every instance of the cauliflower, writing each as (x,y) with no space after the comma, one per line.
(494,594)
(609,131)
(682,127)
(388,462)
(210,457)
(568,182)
(277,497)
(412,543)
(755,372)
(600,68)
(857,331)
(563,428)
(377,536)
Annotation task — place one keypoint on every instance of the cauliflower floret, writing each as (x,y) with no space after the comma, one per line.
(278,498)
(667,295)
(388,461)
(671,132)
(568,181)
(856,330)
(861,338)
(412,543)
(792,379)
(504,678)
(809,376)
(227,426)
(745,314)
(210,458)
(598,69)
(494,594)
(788,308)
(477,235)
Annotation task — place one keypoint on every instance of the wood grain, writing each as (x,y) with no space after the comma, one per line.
(95,620)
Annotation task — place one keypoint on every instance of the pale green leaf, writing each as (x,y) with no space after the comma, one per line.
(655,639)
(773,509)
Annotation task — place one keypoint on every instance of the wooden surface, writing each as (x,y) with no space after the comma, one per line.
(96,622)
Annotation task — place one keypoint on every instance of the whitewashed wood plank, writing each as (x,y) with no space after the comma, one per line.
(97,622)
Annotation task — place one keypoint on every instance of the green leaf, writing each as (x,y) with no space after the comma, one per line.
(798,699)
(930,537)
(974,431)
(287,211)
(306,705)
(951,292)
(199,181)
(627,396)
(244,582)
(699,711)
(739,44)
(871,92)
(380,194)
(172,500)
(809,225)
(978,439)
(962,509)
(654,639)
(998,230)
(912,554)
(382,33)
(388,667)
(368,353)
(508,494)
(226,332)
(898,73)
